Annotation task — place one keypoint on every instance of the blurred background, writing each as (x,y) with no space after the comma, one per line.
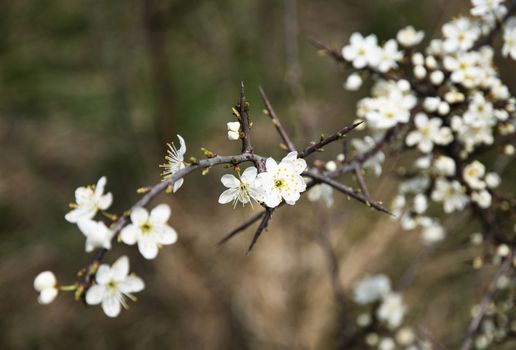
(92,88)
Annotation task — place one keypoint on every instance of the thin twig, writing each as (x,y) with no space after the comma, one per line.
(326,140)
(244,121)
(361,181)
(486,299)
(276,121)
(241,227)
(263,225)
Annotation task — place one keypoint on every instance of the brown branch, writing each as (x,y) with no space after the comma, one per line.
(243,118)
(347,190)
(241,227)
(276,121)
(486,299)
(263,225)
(316,147)
(361,181)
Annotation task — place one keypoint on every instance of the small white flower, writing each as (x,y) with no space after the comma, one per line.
(460,35)
(233,131)
(482,198)
(392,310)
(149,231)
(331,165)
(321,191)
(242,190)
(114,284)
(436,77)
(493,180)
(387,344)
(46,284)
(485,7)
(405,336)
(444,165)
(389,56)
(473,174)
(451,193)
(353,82)
(362,51)
(98,235)
(420,203)
(371,289)
(175,162)
(89,200)
(432,231)
(409,37)
(283,180)
(509,42)
(428,132)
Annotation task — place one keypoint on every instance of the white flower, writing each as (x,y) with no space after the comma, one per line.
(353,82)
(371,289)
(451,193)
(98,235)
(485,7)
(389,56)
(149,231)
(444,165)
(46,284)
(243,189)
(509,42)
(420,203)
(460,35)
(493,180)
(473,174)
(361,51)
(114,284)
(321,191)
(387,344)
(482,198)
(428,132)
(392,310)
(432,231)
(175,162)
(409,37)
(233,131)
(89,200)
(283,180)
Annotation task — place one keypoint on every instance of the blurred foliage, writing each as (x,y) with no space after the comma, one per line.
(91,88)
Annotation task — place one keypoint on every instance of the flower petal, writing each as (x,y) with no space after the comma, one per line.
(148,248)
(230,181)
(271,165)
(105,201)
(129,234)
(178,184)
(227,196)
(104,274)
(47,296)
(168,235)
(182,150)
(95,294)
(160,214)
(79,213)
(111,306)
(249,174)
(99,188)
(120,268)
(139,216)
(131,284)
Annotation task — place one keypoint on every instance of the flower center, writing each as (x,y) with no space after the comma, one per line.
(112,286)
(146,228)
(278,183)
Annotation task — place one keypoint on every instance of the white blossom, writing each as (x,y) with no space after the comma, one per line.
(428,132)
(371,289)
(242,189)
(473,174)
(88,200)
(175,162)
(409,37)
(460,34)
(283,181)
(97,234)
(353,82)
(451,193)
(509,42)
(482,198)
(493,180)
(485,7)
(233,131)
(362,51)
(389,56)
(444,165)
(46,284)
(114,285)
(432,231)
(392,310)
(150,231)
(321,191)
